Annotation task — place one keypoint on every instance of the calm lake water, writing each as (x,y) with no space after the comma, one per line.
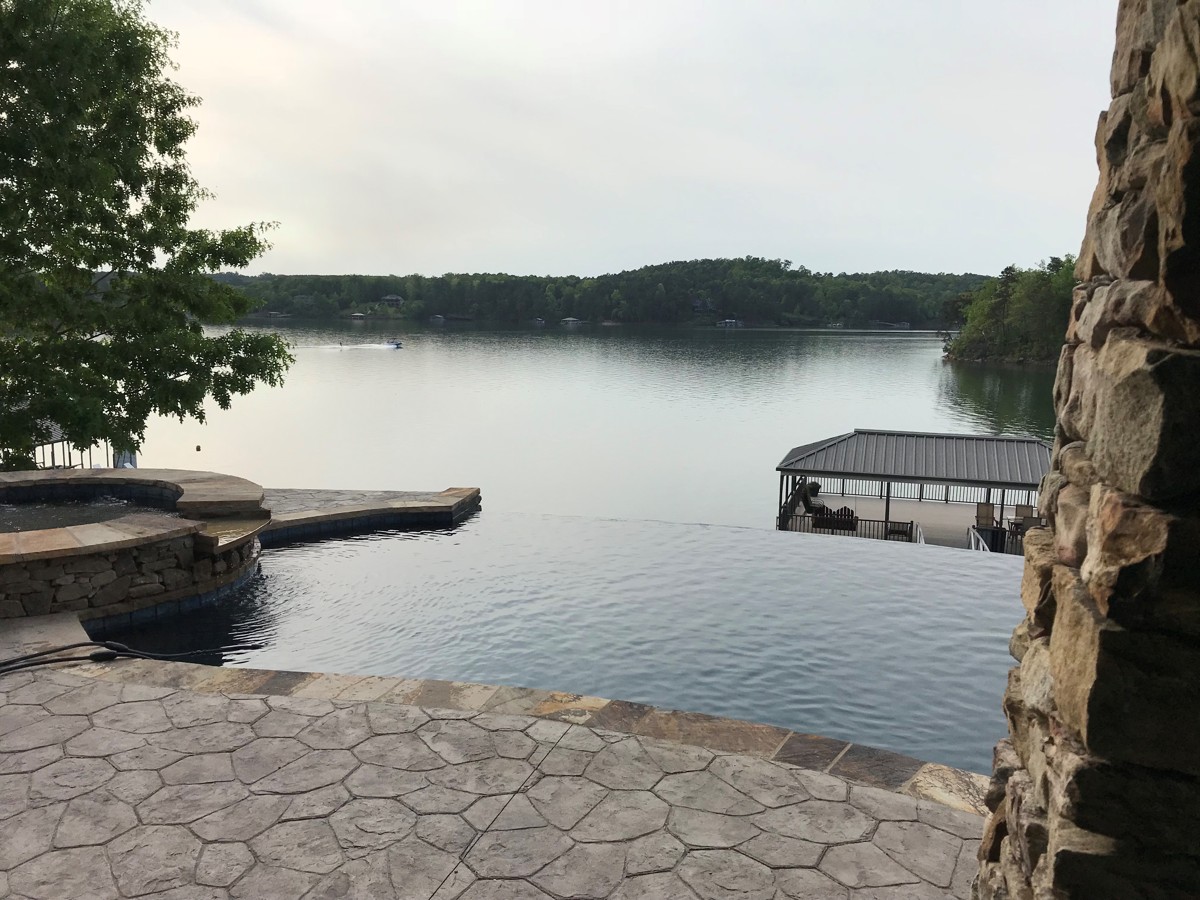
(683,425)
(580,440)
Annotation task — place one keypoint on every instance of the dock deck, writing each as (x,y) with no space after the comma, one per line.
(943,524)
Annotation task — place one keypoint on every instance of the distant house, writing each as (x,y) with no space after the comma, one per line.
(393,300)
(358,315)
(55,451)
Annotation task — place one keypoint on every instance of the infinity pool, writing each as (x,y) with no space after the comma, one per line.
(893,645)
(61,513)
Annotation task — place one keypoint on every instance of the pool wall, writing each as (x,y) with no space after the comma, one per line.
(145,565)
(117,567)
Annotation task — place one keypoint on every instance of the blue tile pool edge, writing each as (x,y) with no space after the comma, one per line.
(103,625)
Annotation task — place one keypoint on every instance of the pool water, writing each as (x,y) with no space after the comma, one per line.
(60,514)
(899,646)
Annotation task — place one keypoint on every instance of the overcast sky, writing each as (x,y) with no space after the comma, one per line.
(556,137)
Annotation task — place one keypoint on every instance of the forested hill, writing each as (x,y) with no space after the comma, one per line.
(1019,316)
(755,290)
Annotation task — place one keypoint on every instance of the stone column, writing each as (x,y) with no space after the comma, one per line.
(1096,791)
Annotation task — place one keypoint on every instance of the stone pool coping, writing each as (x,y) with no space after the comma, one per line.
(93,537)
(446,507)
(858,763)
(328,513)
(196,494)
(223,517)
(206,496)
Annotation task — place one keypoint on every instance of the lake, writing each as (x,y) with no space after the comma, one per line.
(683,425)
(625,548)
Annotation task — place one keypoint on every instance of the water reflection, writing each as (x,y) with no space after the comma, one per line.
(1001,399)
(681,424)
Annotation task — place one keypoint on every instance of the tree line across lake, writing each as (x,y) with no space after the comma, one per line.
(755,290)
(1019,315)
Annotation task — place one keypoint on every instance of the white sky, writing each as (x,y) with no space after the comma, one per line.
(562,137)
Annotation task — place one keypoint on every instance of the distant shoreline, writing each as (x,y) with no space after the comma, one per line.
(399,324)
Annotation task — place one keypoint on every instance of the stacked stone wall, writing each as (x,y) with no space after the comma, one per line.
(1096,792)
(103,584)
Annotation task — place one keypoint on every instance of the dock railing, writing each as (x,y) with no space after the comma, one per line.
(938,493)
(788,511)
(876,529)
(995,540)
(793,517)
(975,540)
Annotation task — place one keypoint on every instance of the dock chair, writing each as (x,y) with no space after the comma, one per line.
(985,514)
(843,519)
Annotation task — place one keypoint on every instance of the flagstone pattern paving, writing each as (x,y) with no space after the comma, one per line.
(112,789)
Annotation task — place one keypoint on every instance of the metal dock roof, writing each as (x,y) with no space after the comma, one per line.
(974,459)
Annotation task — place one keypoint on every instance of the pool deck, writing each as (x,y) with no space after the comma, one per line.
(143,778)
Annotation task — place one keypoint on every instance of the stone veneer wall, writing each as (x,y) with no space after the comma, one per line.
(1096,792)
(104,584)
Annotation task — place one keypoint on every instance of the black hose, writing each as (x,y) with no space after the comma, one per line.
(5,663)
(147,654)
(107,651)
(96,656)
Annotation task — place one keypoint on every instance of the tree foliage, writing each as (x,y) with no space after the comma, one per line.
(1021,315)
(757,290)
(103,286)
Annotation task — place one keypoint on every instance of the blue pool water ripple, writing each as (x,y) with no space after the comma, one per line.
(892,645)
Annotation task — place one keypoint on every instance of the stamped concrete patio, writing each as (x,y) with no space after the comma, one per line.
(111,789)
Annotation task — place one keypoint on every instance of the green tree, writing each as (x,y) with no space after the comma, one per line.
(762,291)
(103,286)
(1021,315)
